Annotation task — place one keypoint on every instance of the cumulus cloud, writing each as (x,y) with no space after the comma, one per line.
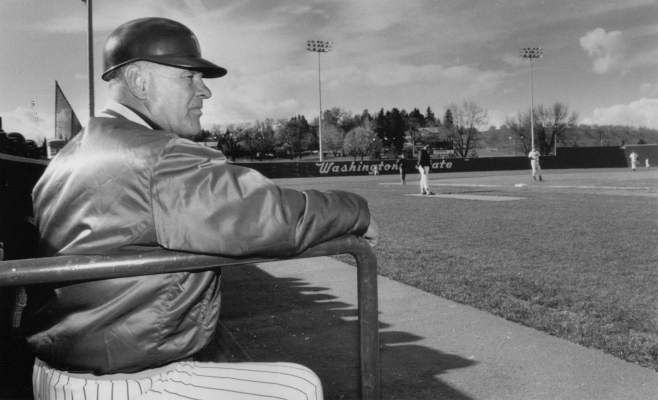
(639,113)
(606,49)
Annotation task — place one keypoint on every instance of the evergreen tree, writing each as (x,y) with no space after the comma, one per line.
(430,119)
(394,137)
(380,125)
(448,121)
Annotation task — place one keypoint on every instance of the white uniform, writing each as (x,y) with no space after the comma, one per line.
(534,164)
(633,158)
(184,380)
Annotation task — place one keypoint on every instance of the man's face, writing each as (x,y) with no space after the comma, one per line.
(175,99)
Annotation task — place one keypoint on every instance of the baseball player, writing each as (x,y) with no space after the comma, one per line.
(534,164)
(633,158)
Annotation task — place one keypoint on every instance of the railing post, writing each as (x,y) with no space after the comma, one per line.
(368,322)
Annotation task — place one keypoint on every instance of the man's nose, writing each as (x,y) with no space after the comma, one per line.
(202,90)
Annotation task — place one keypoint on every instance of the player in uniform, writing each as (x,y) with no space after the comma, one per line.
(400,163)
(423,165)
(534,164)
(633,158)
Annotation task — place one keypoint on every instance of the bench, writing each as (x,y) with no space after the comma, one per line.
(23,272)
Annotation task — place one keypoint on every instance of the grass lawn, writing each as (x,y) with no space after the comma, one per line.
(576,256)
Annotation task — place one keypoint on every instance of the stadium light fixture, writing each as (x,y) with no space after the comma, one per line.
(319,46)
(532,54)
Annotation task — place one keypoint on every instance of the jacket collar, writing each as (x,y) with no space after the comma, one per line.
(114,109)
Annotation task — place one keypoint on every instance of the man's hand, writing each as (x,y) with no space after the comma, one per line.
(372,234)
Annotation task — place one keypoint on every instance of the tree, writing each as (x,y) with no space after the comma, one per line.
(430,119)
(297,133)
(332,138)
(415,121)
(551,124)
(520,127)
(365,118)
(448,121)
(227,143)
(467,118)
(262,138)
(380,125)
(360,142)
(395,129)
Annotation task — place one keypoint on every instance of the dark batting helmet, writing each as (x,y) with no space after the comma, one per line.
(159,40)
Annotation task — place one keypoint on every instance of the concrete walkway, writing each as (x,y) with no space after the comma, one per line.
(432,348)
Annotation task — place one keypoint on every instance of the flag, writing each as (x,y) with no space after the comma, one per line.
(67,124)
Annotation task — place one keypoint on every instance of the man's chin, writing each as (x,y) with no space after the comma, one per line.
(189,132)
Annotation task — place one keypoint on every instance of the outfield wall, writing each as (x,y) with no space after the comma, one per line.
(571,157)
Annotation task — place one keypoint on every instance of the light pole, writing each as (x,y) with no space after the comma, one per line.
(319,46)
(532,54)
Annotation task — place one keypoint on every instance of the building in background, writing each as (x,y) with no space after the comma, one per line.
(67,124)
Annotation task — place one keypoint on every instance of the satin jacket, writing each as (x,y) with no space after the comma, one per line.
(118,184)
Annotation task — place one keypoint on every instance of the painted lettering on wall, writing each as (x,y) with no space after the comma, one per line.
(368,167)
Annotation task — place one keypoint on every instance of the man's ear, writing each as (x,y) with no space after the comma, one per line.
(136,80)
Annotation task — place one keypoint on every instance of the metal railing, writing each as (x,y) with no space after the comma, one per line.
(157,261)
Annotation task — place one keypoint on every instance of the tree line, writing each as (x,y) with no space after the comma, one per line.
(388,133)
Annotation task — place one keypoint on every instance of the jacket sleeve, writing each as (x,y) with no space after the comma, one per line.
(201,203)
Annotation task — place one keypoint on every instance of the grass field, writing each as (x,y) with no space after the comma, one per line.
(574,256)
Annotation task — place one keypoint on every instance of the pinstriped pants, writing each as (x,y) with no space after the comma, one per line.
(182,380)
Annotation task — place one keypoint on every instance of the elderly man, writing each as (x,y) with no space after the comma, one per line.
(131,178)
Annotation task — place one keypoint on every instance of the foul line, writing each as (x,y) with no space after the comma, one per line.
(534,184)
(469,197)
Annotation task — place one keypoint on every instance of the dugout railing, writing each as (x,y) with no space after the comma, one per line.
(71,268)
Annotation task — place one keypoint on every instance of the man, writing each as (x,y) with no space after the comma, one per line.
(534,164)
(400,164)
(633,157)
(131,178)
(423,166)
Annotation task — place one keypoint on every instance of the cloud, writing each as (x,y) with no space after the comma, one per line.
(649,89)
(514,60)
(639,113)
(606,49)
(24,121)
(396,74)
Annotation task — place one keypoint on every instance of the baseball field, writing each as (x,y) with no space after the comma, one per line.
(574,255)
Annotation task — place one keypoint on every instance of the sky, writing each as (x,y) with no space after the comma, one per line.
(600,56)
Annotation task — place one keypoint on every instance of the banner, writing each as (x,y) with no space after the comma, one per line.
(66,122)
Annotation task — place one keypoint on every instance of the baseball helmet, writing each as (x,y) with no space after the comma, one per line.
(159,40)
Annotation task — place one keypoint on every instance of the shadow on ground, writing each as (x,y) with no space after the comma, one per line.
(287,319)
